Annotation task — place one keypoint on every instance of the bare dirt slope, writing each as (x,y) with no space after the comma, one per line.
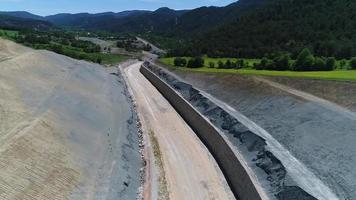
(314,129)
(342,93)
(66,129)
(190,170)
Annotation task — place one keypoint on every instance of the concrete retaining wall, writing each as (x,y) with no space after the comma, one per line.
(238,178)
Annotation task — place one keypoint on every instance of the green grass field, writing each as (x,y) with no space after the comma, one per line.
(249,62)
(8,34)
(346,75)
(110,58)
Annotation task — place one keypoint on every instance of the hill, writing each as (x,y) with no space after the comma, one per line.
(22,14)
(136,21)
(90,21)
(326,27)
(203,19)
(246,28)
(11,22)
(164,21)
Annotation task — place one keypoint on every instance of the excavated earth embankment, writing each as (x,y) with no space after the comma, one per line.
(312,120)
(271,172)
(67,129)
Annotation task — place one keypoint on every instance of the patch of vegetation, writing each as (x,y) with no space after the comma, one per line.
(222,63)
(163,192)
(65,43)
(339,74)
(345,75)
(110,58)
(8,34)
(305,61)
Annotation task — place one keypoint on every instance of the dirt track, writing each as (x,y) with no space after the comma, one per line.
(67,131)
(190,171)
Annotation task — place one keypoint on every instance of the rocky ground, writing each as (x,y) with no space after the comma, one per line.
(309,132)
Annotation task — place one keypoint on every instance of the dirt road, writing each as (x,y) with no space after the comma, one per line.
(190,170)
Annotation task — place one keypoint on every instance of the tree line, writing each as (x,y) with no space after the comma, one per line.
(305,61)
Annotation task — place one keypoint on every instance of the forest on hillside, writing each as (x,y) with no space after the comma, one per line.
(327,28)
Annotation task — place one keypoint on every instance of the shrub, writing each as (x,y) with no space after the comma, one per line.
(330,64)
(228,64)
(319,64)
(353,63)
(282,62)
(211,65)
(265,64)
(180,62)
(196,62)
(220,64)
(305,61)
(240,63)
(56,48)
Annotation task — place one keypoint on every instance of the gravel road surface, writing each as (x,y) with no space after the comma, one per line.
(190,170)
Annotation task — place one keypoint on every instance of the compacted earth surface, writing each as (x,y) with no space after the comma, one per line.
(186,169)
(307,125)
(67,129)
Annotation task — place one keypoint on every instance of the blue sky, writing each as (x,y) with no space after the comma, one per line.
(47,7)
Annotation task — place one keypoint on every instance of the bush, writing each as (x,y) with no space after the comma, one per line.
(330,64)
(196,62)
(220,64)
(305,61)
(343,64)
(353,63)
(228,64)
(211,65)
(240,63)
(282,62)
(56,48)
(266,64)
(180,62)
(319,64)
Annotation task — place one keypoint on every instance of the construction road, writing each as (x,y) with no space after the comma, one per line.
(189,170)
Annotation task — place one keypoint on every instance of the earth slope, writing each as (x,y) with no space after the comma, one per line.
(67,130)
